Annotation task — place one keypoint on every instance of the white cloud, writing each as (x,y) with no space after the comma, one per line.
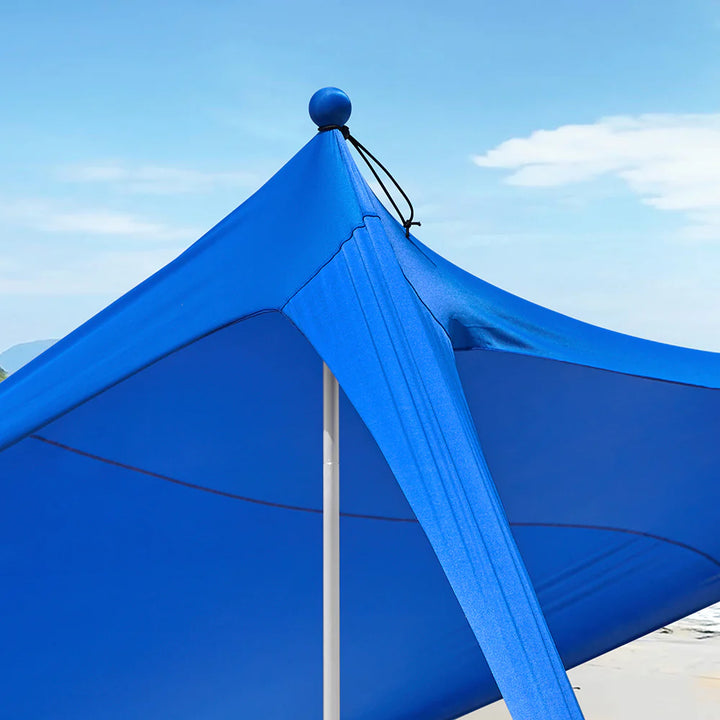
(108,273)
(671,161)
(108,223)
(47,217)
(156,180)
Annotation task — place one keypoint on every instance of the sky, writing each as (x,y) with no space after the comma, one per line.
(567,151)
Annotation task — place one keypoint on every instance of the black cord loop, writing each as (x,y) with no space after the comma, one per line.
(367,156)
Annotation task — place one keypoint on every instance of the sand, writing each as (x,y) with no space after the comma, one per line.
(672,674)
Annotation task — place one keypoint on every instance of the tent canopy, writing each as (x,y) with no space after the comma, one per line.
(503,466)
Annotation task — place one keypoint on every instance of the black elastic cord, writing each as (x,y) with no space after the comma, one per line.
(367,156)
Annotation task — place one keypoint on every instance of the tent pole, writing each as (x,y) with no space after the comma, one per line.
(331,547)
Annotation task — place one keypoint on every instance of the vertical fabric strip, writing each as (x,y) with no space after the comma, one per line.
(396,365)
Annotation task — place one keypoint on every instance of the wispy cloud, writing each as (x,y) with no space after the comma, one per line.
(48,217)
(109,223)
(671,161)
(35,272)
(156,180)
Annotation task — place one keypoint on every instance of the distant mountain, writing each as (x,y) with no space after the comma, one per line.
(3,374)
(18,355)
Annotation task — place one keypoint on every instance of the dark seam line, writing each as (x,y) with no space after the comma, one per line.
(419,247)
(184,345)
(586,365)
(432,315)
(138,370)
(639,533)
(337,252)
(386,518)
(412,287)
(204,488)
(330,259)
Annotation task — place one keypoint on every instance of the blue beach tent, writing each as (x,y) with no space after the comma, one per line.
(519,490)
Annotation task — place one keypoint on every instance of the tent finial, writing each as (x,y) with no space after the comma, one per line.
(330,106)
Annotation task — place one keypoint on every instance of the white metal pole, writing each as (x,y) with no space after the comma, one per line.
(331,546)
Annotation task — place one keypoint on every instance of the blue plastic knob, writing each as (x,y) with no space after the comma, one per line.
(330,106)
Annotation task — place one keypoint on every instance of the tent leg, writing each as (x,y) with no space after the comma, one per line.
(331,547)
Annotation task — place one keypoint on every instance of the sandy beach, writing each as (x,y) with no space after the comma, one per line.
(671,674)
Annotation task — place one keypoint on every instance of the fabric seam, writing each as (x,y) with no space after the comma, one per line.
(586,365)
(361,516)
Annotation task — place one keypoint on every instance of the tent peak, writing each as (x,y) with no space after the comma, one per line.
(330,107)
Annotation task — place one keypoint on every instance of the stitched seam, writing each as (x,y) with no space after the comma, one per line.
(586,365)
(626,531)
(205,488)
(136,371)
(328,261)
(233,496)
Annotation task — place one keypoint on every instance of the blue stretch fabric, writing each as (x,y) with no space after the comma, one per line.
(397,368)
(160,529)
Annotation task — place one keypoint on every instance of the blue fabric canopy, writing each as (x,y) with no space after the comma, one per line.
(520,490)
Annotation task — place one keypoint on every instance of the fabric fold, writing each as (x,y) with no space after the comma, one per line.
(396,364)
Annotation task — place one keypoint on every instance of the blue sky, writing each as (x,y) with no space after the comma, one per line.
(566,151)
